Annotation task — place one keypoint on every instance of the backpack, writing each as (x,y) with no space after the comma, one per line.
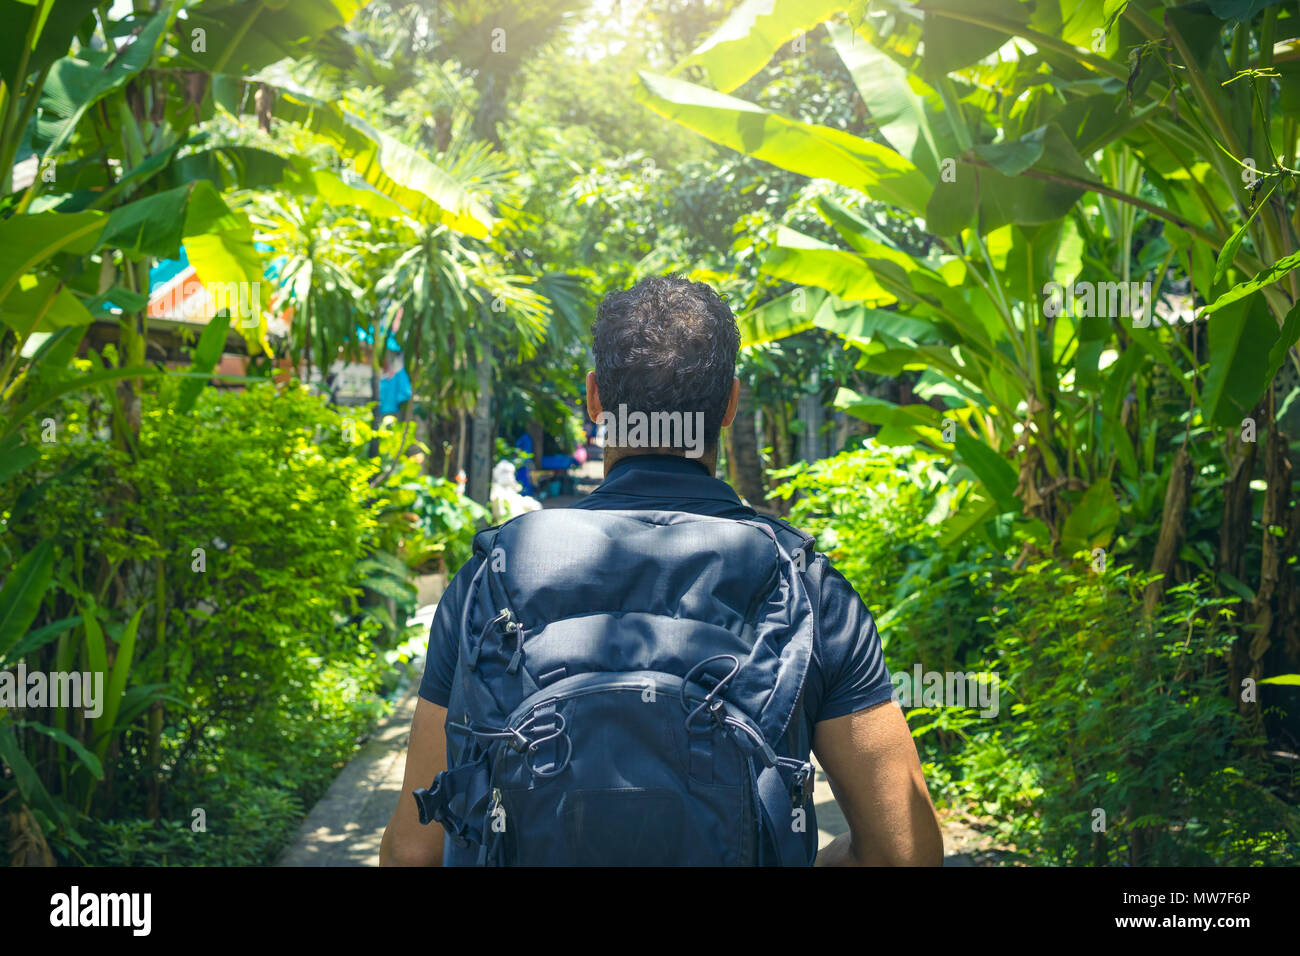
(629,690)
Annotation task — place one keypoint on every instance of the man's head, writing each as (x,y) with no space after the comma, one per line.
(665,376)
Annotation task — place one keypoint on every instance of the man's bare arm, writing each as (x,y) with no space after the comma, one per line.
(406,841)
(876,777)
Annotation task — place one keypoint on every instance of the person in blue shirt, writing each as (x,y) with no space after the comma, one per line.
(669,345)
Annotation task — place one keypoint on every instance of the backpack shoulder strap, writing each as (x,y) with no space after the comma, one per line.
(801,545)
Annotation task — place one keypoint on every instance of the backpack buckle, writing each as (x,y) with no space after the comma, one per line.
(800,790)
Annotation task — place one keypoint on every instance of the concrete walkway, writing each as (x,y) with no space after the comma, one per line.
(345,827)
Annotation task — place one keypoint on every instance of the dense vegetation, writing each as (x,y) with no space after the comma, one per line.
(1017,284)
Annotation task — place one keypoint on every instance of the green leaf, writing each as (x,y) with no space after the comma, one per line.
(384,563)
(212,341)
(219,241)
(861,235)
(952,42)
(1240,9)
(1241,290)
(972,513)
(149,227)
(42,304)
(116,689)
(403,592)
(751,34)
(1286,338)
(804,148)
(24,589)
(304,180)
(1241,337)
(787,315)
(1092,521)
(52,35)
(26,241)
(85,756)
(1020,198)
(29,784)
(244,36)
(1289,680)
(75,85)
(15,456)
(139,698)
(1013,158)
(234,167)
(806,261)
(120,298)
(996,473)
(1229,251)
(394,169)
(1236,585)
(861,324)
(75,384)
(899,423)
(96,649)
(38,638)
(893,97)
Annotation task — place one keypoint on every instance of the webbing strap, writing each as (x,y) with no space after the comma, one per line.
(777,801)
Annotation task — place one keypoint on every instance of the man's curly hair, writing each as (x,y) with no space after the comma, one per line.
(667,345)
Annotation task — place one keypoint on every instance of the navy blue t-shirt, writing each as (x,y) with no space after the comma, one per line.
(848,671)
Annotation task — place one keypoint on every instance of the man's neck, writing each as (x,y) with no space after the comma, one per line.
(709,459)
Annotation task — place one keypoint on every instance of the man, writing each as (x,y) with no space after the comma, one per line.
(665,347)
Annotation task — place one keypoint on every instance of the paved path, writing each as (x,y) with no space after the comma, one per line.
(345,827)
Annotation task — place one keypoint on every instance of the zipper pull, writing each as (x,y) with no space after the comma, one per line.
(496,813)
(514,627)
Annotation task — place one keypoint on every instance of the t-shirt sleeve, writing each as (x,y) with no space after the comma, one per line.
(444,639)
(853,659)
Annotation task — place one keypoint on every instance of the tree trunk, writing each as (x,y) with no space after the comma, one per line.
(1271,628)
(742,452)
(1237,510)
(812,415)
(1171,529)
(482,433)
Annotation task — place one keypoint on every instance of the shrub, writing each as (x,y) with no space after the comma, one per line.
(244,532)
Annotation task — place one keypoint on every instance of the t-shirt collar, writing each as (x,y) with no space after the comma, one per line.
(687,478)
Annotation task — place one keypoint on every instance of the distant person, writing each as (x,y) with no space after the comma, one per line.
(640,678)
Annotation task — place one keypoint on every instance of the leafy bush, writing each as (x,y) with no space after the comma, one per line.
(243,537)
(1115,714)
(1097,708)
(445,520)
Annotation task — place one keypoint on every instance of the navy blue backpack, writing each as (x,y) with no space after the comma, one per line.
(629,691)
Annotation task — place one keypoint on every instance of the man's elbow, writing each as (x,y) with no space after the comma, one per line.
(927,845)
(924,847)
(397,852)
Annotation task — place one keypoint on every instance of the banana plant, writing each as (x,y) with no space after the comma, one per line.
(1009,128)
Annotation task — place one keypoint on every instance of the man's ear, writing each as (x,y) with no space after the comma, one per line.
(730,414)
(593,397)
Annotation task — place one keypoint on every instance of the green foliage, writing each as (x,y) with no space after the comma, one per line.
(1134,724)
(1095,709)
(241,534)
